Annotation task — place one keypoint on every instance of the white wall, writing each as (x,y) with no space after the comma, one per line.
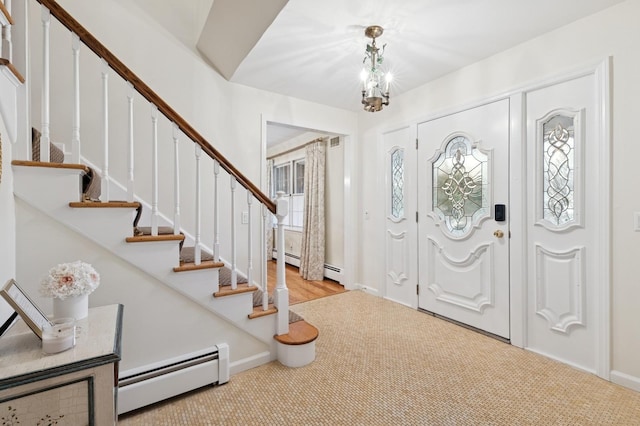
(229,116)
(614,32)
(334,205)
(154,314)
(7,220)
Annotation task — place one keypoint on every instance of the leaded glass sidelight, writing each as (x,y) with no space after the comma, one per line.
(460,186)
(558,169)
(397,183)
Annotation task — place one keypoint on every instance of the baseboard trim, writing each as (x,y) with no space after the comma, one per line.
(331,272)
(251,362)
(563,361)
(626,380)
(399,302)
(367,289)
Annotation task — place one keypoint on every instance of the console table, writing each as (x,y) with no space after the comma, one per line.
(76,387)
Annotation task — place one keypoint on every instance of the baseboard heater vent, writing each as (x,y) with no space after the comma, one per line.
(330,271)
(156,382)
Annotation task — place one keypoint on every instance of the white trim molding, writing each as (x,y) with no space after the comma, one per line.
(626,380)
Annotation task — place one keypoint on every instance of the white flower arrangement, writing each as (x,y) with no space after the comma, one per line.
(70,279)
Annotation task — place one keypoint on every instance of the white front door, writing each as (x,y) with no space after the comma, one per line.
(463,173)
(564,218)
(400,211)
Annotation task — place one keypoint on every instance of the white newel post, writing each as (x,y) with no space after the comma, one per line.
(263,256)
(234,266)
(281,296)
(131,159)
(176,182)
(249,239)
(105,130)
(75,125)
(46,87)
(216,216)
(7,47)
(198,249)
(154,170)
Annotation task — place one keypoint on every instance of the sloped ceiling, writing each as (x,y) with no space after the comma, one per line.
(232,29)
(314,50)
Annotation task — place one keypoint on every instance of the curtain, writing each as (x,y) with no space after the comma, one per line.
(269,225)
(312,255)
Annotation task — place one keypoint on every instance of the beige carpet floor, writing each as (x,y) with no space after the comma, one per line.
(380,363)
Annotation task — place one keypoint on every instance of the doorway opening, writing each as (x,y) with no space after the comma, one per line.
(287,158)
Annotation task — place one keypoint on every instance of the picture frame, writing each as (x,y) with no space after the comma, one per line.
(25,307)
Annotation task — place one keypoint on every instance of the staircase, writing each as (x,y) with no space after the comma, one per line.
(128,218)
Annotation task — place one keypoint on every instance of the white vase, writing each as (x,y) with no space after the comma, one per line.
(72,307)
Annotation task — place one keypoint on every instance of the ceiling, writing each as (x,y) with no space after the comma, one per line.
(313,50)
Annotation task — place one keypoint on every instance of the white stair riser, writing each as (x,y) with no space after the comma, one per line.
(296,355)
(47,186)
(155,258)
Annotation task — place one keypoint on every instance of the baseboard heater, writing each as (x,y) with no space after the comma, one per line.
(156,382)
(330,271)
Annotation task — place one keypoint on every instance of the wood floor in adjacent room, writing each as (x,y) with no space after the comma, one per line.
(301,290)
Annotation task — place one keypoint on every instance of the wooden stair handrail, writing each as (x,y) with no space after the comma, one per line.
(123,71)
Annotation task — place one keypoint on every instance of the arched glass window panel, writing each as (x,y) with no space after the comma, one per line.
(460,186)
(397,183)
(558,169)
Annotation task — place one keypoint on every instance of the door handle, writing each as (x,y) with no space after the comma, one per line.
(498,234)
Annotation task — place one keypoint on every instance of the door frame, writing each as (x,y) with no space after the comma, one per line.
(349,135)
(601,70)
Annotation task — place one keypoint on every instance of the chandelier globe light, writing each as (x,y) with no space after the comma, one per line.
(375,83)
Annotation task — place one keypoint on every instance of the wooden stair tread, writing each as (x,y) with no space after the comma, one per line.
(228,291)
(152,238)
(205,264)
(300,333)
(104,205)
(50,165)
(16,74)
(259,312)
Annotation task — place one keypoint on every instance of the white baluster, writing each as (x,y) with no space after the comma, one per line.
(250,240)
(7,45)
(281,294)
(131,159)
(263,256)
(198,248)
(46,88)
(234,272)
(176,182)
(75,125)
(105,130)
(216,216)
(154,170)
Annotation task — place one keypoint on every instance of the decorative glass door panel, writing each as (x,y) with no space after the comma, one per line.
(397,183)
(460,186)
(559,153)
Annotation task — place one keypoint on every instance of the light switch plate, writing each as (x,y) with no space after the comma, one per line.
(636,221)
(245,218)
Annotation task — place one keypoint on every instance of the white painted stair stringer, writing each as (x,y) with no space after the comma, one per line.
(50,190)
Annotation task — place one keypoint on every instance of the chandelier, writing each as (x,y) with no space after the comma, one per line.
(374,95)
